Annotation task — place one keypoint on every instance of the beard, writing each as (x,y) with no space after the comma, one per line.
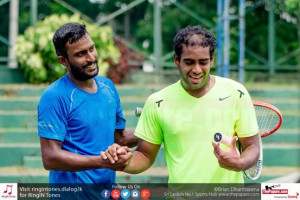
(79,73)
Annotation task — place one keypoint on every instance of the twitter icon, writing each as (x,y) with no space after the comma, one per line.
(125,194)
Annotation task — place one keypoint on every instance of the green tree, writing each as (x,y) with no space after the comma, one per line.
(173,19)
(36,53)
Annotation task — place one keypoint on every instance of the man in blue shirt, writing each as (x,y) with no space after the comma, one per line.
(80,115)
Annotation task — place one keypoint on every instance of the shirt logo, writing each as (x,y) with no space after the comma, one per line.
(158,102)
(241,93)
(221,99)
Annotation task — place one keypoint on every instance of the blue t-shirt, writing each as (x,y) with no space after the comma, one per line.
(84,122)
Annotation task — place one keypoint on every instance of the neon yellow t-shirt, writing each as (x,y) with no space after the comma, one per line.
(185,125)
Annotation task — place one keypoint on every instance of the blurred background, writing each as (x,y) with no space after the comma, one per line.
(258,44)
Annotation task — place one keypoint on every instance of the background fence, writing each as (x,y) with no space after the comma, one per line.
(270,29)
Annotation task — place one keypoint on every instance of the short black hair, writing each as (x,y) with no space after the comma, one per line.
(70,32)
(194,36)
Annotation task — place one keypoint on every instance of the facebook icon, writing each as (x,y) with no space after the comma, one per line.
(105,194)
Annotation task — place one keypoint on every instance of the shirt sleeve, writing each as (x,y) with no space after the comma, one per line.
(246,125)
(148,127)
(52,117)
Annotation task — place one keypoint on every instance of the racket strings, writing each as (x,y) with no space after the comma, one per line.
(254,171)
(267,119)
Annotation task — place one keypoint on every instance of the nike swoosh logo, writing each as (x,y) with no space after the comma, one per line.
(221,99)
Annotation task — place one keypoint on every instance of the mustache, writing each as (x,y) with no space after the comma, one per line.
(90,63)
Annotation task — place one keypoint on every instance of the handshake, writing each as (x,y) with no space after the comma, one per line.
(117,157)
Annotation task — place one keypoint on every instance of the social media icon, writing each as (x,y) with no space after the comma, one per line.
(145,194)
(105,194)
(125,194)
(115,194)
(135,194)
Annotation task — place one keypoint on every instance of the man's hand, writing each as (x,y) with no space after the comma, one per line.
(117,155)
(229,159)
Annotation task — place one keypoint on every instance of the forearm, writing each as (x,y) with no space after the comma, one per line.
(138,163)
(68,161)
(130,139)
(249,157)
(126,138)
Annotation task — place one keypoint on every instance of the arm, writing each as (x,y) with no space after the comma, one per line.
(231,159)
(125,137)
(250,153)
(55,158)
(143,157)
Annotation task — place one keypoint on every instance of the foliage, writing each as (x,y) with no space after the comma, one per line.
(173,19)
(287,26)
(36,53)
(256,22)
(117,72)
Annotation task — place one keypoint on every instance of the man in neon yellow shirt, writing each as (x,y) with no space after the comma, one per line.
(185,116)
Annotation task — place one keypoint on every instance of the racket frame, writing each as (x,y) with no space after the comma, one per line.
(258,164)
(276,110)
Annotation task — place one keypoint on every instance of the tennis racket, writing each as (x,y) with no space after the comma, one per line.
(269,120)
(138,111)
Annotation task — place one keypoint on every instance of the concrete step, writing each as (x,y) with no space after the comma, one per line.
(21,90)
(32,90)
(152,175)
(12,153)
(275,93)
(136,91)
(18,174)
(23,175)
(283,136)
(290,178)
(279,155)
(124,178)
(28,119)
(255,90)
(15,104)
(35,162)
(18,119)
(31,104)
(20,135)
(288,105)
(29,155)
(160,175)
(276,154)
(27,104)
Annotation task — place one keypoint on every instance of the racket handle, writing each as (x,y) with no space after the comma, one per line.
(138,111)
(224,139)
